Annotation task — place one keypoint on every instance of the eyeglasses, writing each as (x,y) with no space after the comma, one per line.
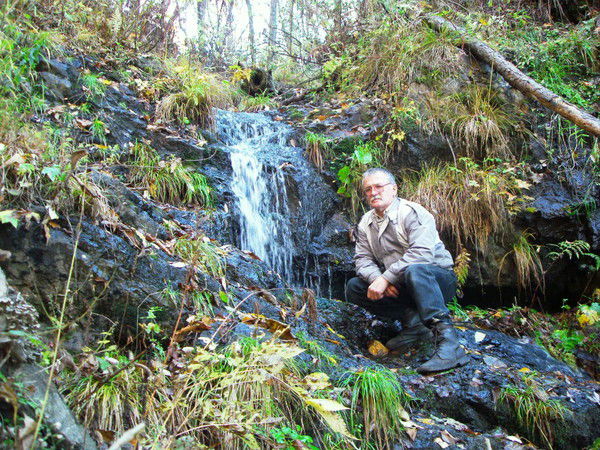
(375,188)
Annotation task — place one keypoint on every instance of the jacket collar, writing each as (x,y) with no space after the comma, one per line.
(390,211)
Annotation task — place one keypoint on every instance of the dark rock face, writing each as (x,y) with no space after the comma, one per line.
(57,414)
(118,276)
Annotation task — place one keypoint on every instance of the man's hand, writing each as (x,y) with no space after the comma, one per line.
(377,288)
(391,291)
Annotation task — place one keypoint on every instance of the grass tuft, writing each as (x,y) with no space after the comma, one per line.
(471,202)
(202,253)
(168,181)
(193,94)
(534,411)
(380,397)
(317,148)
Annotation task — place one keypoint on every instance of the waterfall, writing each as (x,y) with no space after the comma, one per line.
(264,215)
(280,201)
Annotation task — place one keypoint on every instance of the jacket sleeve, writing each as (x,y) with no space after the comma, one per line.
(422,239)
(366,266)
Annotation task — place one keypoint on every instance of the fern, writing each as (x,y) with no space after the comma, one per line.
(572,249)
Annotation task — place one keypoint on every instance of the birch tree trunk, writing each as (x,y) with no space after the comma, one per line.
(272,31)
(251,32)
(290,37)
(518,79)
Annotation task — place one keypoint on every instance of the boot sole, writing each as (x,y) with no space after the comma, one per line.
(463,360)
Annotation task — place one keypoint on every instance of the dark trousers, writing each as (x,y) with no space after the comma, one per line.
(424,293)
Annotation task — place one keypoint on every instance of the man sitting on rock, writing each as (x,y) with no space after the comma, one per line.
(405,272)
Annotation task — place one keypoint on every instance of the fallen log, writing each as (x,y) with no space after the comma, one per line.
(517,79)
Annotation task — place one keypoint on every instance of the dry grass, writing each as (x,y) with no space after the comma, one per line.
(193,95)
(527,261)
(477,121)
(392,56)
(470,203)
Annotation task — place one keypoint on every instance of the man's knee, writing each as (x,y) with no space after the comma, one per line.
(416,271)
(356,290)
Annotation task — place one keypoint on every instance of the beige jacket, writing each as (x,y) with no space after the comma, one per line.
(407,235)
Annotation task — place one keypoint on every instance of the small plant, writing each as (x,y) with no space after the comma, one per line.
(534,411)
(350,175)
(315,349)
(168,181)
(527,261)
(98,130)
(203,253)
(257,103)
(193,95)
(573,250)
(289,438)
(93,84)
(381,399)
(317,147)
(107,396)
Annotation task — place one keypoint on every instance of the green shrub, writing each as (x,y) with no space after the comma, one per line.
(168,181)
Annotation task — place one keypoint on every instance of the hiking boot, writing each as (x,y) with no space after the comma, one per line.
(448,354)
(410,337)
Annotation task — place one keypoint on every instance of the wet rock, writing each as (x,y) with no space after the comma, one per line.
(18,320)
(56,87)
(57,414)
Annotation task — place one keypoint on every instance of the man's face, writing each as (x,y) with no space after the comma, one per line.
(379,192)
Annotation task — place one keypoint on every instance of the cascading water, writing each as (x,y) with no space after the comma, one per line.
(264,216)
(280,201)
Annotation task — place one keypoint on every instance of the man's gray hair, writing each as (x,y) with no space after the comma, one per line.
(379,171)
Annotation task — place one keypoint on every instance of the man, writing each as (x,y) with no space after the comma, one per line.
(405,272)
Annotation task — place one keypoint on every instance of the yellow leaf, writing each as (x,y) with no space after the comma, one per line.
(336,423)
(317,380)
(323,404)
(376,348)
(524,370)
(426,421)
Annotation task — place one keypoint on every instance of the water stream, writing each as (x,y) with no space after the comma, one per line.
(280,202)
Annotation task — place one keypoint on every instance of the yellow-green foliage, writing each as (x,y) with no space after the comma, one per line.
(378,401)
(108,397)
(203,253)
(393,55)
(534,411)
(469,201)
(167,181)
(231,398)
(192,95)
(256,103)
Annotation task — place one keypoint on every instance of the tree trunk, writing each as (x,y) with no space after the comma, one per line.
(518,79)
(290,37)
(228,27)
(337,16)
(251,32)
(201,9)
(272,31)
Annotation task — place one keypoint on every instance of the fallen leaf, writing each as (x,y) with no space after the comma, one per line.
(441,443)
(76,156)
(274,326)
(411,433)
(376,348)
(317,380)
(479,336)
(447,437)
(8,394)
